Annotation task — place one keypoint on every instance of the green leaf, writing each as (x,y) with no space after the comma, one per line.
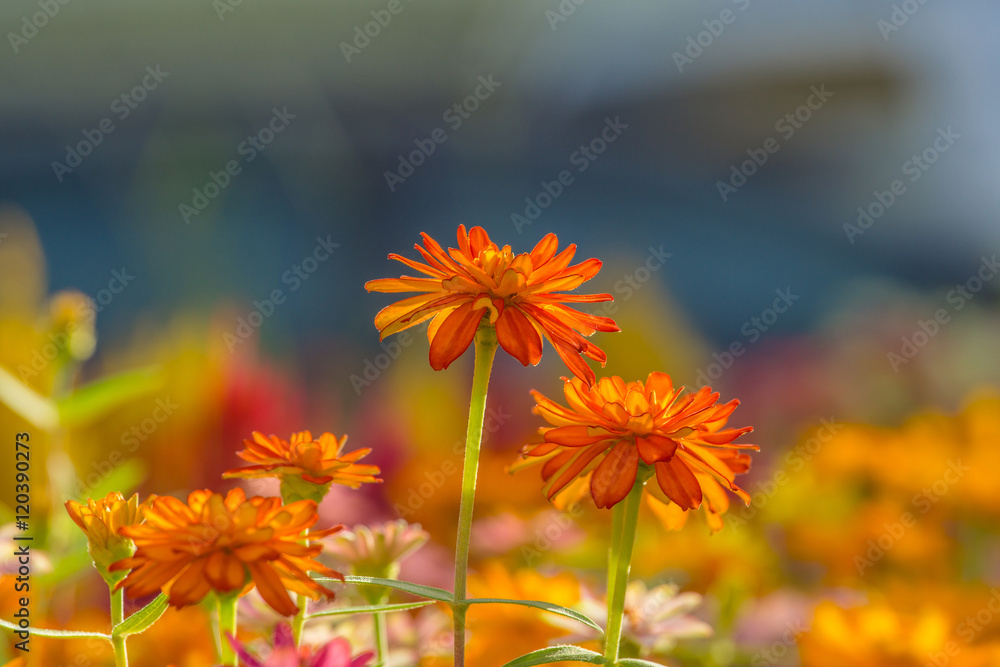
(551,654)
(101,396)
(635,662)
(371,609)
(546,606)
(61,634)
(428,592)
(142,619)
(28,403)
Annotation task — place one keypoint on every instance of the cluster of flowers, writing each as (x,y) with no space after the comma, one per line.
(608,440)
(228,544)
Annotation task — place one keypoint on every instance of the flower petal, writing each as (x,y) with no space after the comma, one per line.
(678,483)
(454,335)
(518,337)
(615,476)
(271,589)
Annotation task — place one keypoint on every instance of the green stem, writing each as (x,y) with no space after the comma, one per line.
(617,519)
(381,639)
(117,616)
(381,628)
(622,565)
(227,624)
(486,347)
(300,618)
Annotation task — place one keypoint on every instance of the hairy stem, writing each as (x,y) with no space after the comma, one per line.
(117,616)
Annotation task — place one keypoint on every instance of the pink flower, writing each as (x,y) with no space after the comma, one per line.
(337,653)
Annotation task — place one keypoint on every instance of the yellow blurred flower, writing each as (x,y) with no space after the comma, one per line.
(931,459)
(881,634)
(501,632)
(181,637)
(72,317)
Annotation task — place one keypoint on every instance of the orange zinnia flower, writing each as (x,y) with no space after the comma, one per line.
(320,461)
(613,428)
(225,544)
(518,293)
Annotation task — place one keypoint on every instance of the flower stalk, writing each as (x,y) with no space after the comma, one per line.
(227,626)
(621,566)
(301,600)
(300,619)
(617,518)
(486,347)
(381,637)
(117,616)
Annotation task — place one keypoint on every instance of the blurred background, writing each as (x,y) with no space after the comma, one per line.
(796,203)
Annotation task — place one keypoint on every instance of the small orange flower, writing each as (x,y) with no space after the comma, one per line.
(102,521)
(613,428)
(225,544)
(320,461)
(520,295)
